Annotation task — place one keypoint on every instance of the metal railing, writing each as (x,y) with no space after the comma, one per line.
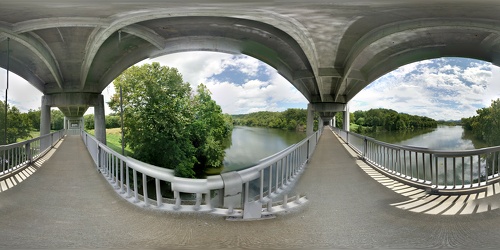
(438,170)
(249,193)
(15,157)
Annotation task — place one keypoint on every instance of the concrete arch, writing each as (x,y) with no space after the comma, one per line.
(38,50)
(267,19)
(386,48)
(254,39)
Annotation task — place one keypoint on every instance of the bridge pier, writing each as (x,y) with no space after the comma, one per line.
(346,118)
(74,105)
(310,120)
(45,117)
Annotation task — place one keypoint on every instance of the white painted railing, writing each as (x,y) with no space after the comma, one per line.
(436,170)
(15,157)
(256,192)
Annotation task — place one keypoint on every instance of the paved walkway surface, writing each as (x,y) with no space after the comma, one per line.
(66,203)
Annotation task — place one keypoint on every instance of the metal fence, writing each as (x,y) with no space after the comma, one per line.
(251,193)
(439,170)
(15,157)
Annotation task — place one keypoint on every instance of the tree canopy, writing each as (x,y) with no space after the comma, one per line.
(290,119)
(486,124)
(168,125)
(387,119)
(18,124)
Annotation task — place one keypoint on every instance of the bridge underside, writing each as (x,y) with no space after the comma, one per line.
(328,50)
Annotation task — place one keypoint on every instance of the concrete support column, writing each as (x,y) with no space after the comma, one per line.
(334,122)
(45,117)
(65,123)
(310,120)
(346,118)
(99,120)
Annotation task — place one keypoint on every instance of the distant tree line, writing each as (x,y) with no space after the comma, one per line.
(290,119)
(485,125)
(112,121)
(386,120)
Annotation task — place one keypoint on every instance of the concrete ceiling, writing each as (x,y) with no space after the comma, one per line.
(329,50)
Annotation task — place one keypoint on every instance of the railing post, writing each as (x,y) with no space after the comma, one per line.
(308,149)
(365,147)
(28,153)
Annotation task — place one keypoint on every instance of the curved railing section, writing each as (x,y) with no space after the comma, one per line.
(15,157)
(257,192)
(437,171)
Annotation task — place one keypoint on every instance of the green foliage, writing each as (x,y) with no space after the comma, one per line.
(168,126)
(18,124)
(113,121)
(486,124)
(34,117)
(57,119)
(290,119)
(389,120)
(88,121)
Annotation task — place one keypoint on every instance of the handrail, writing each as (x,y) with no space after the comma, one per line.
(228,194)
(436,170)
(17,156)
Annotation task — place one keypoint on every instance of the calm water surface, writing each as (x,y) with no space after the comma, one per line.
(440,138)
(251,144)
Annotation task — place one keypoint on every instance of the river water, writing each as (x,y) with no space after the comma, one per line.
(440,138)
(251,144)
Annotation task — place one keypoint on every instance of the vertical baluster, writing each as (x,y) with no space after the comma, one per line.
(463,172)
(127,169)
(454,173)
(437,173)
(445,172)
(145,189)
(478,170)
(277,173)
(270,180)
(471,166)
(159,200)
(261,184)
(112,160)
(136,192)
(423,167)
(430,167)
(416,165)
(121,176)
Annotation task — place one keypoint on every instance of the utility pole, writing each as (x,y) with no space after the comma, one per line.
(6,91)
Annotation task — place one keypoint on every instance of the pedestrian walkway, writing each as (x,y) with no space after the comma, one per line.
(67,204)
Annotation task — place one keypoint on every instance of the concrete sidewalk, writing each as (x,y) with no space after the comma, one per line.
(68,204)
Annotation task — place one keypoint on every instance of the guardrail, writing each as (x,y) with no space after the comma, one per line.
(252,193)
(15,157)
(436,170)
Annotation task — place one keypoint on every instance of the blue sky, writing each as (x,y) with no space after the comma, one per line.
(448,88)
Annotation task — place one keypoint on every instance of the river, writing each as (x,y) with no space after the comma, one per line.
(440,138)
(251,144)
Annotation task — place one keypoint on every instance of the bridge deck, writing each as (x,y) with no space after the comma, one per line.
(67,203)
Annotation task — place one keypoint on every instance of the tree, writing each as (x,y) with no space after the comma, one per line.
(18,124)
(486,125)
(34,117)
(88,121)
(165,124)
(57,119)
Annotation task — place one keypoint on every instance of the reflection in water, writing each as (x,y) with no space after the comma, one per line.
(440,138)
(251,144)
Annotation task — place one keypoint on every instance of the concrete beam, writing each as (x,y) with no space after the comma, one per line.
(329,107)
(72,99)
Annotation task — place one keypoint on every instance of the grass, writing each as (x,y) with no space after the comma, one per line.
(113,138)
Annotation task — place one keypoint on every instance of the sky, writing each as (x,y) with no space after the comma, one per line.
(443,89)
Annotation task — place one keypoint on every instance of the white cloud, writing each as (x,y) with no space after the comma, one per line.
(440,89)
